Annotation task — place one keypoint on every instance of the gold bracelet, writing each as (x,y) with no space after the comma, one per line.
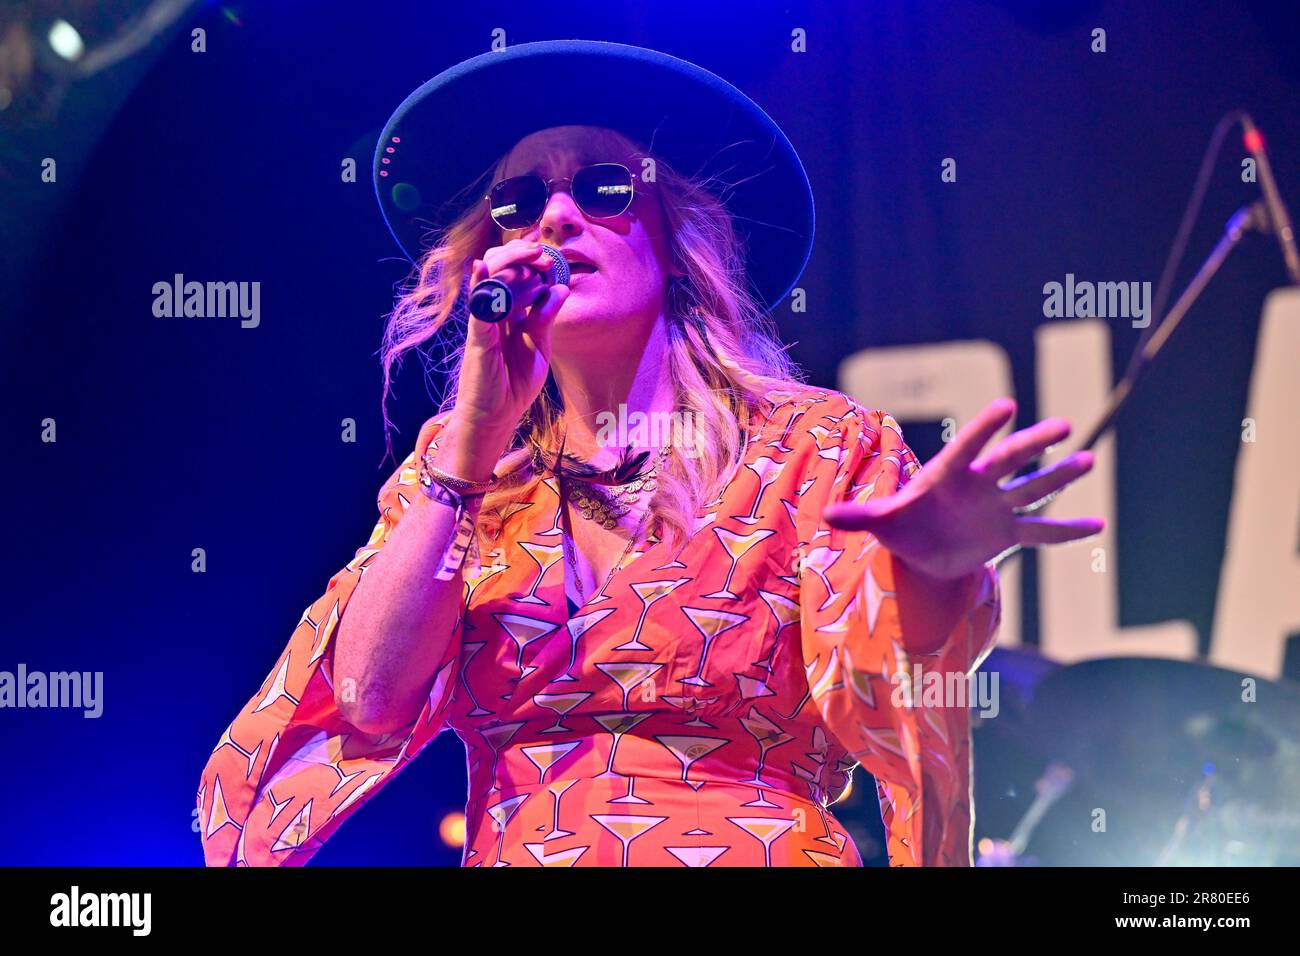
(462,486)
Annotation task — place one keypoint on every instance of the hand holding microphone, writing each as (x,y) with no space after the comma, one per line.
(492,298)
(506,362)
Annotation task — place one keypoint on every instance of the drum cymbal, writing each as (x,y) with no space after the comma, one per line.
(1175,761)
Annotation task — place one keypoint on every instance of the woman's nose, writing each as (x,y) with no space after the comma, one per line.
(561,216)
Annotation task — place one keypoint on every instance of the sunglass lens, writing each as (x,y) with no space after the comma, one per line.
(604,190)
(518,202)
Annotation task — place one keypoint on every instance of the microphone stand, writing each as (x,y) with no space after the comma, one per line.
(1253,216)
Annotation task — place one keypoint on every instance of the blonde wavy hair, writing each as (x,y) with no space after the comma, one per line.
(723,349)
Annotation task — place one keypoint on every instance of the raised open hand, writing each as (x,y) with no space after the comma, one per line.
(956,513)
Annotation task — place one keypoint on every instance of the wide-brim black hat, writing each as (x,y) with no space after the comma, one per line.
(446,136)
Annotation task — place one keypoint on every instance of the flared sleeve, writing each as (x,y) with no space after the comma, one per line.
(874,696)
(290,769)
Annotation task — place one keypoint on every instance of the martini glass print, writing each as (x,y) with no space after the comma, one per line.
(768,470)
(736,546)
(648,592)
(545,555)
(710,623)
(616,725)
(560,704)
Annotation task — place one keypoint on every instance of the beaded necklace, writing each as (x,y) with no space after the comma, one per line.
(623,496)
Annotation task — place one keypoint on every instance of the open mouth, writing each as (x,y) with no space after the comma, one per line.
(581,268)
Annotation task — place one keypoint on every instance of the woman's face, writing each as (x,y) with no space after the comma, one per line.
(630,252)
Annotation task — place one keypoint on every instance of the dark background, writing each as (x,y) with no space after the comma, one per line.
(225,165)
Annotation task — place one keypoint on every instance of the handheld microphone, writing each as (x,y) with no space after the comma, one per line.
(491,300)
(1277,214)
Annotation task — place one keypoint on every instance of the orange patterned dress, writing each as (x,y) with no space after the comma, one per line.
(702,710)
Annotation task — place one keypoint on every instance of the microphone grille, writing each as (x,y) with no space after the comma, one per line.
(559,265)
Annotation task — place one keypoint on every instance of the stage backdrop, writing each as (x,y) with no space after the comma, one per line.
(965,156)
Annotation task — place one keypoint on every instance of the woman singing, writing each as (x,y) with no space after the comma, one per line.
(667,595)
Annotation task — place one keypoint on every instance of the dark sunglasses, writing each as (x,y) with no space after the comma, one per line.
(602,191)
